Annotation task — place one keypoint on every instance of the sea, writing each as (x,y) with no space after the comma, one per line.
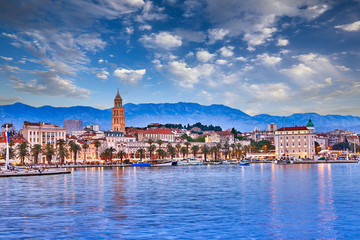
(260,201)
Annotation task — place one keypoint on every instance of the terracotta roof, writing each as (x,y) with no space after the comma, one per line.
(296,128)
(223,133)
(15,139)
(158,131)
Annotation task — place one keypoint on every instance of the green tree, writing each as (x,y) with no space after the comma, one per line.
(105,154)
(141,153)
(111,150)
(85,146)
(184,151)
(121,154)
(171,151)
(22,151)
(61,149)
(159,142)
(35,151)
(74,148)
(151,150)
(194,150)
(49,152)
(205,150)
(161,153)
(178,147)
(97,144)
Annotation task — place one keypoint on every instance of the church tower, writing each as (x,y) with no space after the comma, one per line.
(118,114)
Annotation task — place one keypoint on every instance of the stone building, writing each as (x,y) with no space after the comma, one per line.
(73,125)
(295,142)
(118,115)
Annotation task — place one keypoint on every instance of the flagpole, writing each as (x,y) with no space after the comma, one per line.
(7,147)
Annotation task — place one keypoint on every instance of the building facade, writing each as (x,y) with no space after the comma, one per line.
(118,115)
(73,125)
(295,142)
(42,133)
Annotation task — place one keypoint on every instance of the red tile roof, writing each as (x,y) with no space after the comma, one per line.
(158,131)
(223,133)
(296,128)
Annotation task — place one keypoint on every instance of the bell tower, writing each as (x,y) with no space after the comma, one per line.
(118,114)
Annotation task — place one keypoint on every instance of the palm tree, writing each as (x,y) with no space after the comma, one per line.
(97,144)
(121,154)
(49,152)
(159,142)
(161,153)
(214,150)
(233,150)
(35,151)
(111,151)
(23,151)
(218,148)
(178,147)
(151,149)
(184,151)
(11,143)
(150,141)
(171,151)
(187,144)
(226,148)
(106,154)
(85,146)
(62,151)
(141,153)
(205,150)
(74,148)
(238,150)
(195,149)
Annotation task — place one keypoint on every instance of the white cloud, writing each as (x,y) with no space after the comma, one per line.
(131,76)
(6,58)
(268,60)
(227,51)
(9,99)
(150,13)
(49,83)
(204,56)
(351,27)
(163,40)
(240,59)
(9,35)
(103,74)
(129,30)
(282,42)
(217,34)
(101,60)
(145,27)
(273,91)
(221,61)
(343,68)
(91,42)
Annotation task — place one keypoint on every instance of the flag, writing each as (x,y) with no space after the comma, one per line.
(6,135)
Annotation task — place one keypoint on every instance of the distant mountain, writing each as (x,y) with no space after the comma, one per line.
(142,114)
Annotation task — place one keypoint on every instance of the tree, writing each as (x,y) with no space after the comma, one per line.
(74,148)
(111,151)
(218,149)
(195,149)
(151,150)
(121,154)
(159,142)
(205,150)
(178,147)
(141,153)
(171,151)
(187,144)
(341,146)
(49,152)
(97,144)
(238,150)
(161,153)
(184,151)
(150,141)
(62,151)
(35,151)
(226,148)
(23,151)
(105,154)
(85,146)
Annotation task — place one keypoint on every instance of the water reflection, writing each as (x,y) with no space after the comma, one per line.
(261,201)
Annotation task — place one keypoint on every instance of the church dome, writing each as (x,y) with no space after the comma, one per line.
(309,124)
(118,97)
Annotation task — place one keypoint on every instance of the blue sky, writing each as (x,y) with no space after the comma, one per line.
(260,56)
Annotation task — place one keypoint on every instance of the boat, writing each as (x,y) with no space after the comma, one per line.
(161,162)
(141,164)
(244,163)
(182,162)
(193,161)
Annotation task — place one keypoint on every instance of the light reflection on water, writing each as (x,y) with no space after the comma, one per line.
(189,202)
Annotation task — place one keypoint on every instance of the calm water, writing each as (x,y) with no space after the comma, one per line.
(190,202)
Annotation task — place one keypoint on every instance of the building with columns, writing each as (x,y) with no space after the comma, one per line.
(295,142)
(118,115)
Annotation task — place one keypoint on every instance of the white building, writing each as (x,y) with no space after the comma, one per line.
(295,142)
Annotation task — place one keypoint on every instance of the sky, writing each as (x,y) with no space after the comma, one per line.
(275,57)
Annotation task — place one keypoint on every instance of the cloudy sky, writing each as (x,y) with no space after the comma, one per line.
(259,56)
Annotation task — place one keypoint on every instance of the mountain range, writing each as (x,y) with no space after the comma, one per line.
(140,115)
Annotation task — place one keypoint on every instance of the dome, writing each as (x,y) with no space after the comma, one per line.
(309,124)
(118,97)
